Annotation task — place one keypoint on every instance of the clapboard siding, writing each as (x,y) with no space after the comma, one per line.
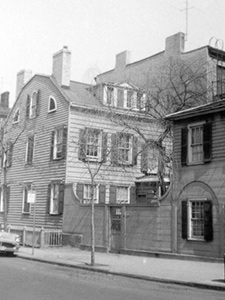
(206,179)
(76,169)
(42,171)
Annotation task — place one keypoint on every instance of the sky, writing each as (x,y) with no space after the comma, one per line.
(31,31)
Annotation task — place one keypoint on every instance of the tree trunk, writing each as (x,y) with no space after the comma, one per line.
(92,226)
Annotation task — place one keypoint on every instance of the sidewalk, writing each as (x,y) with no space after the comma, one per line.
(208,275)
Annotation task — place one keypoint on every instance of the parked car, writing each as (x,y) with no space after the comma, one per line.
(9,242)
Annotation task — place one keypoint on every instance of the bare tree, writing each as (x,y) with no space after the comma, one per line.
(177,85)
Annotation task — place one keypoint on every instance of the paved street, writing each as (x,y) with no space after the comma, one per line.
(23,279)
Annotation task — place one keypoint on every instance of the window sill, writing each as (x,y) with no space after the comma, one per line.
(196,239)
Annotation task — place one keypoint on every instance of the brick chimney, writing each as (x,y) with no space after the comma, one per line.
(61,66)
(122,59)
(175,44)
(23,77)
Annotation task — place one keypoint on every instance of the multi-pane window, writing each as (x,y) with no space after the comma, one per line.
(92,143)
(8,154)
(196,143)
(122,194)
(124,148)
(27,190)
(110,95)
(58,144)
(87,196)
(56,197)
(30,150)
(197,219)
(130,98)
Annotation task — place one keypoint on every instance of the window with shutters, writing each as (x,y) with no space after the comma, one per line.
(33,105)
(125,148)
(197,219)
(59,142)
(122,194)
(7,158)
(27,190)
(92,145)
(52,106)
(87,193)
(30,150)
(56,195)
(32,108)
(196,143)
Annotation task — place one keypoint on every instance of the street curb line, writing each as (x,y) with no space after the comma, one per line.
(141,277)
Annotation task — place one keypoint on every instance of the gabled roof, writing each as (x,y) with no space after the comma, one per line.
(204,109)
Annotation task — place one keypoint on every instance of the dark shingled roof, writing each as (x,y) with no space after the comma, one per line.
(208,108)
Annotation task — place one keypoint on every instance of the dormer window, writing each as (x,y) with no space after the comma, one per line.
(52,104)
(16,116)
(110,95)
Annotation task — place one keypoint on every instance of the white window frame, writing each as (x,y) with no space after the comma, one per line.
(57,144)
(16,114)
(130,150)
(99,147)
(54,199)
(87,194)
(190,149)
(27,186)
(49,103)
(190,220)
(33,107)
(123,201)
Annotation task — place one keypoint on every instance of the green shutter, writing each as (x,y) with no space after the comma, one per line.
(38,103)
(112,194)
(184,145)
(61,198)
(207,142)
(102,193)
(10,153)
(28,107)
(104,146)
(114,149)
(48,199)
(30,149)
(64,146)
(208,221)
(132,195)
(134,150)
(52,144)
(82,145)
(184,219)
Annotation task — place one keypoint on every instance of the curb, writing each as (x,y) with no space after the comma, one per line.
(134,276)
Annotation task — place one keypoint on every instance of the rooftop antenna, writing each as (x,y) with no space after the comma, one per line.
(186,9)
